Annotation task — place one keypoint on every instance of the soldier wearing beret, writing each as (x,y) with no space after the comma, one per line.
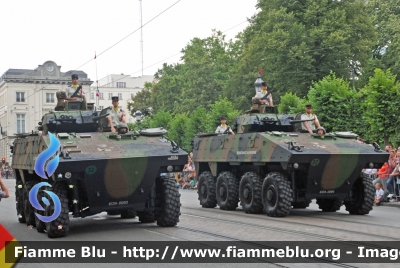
(70,90)
(116,119)
(224,128)
(309,126)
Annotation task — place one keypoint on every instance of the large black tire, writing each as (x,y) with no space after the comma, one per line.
(363,196)
(276,195)
(227,191)
(28,209)
(206,190)
(329,205)
(113,212)
(168,205)
(303,204)
(19,202)
(146,216)
(250,193)
(60,226)
(128,214)
(40,226)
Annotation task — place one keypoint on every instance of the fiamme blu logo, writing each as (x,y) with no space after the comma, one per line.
(45,165)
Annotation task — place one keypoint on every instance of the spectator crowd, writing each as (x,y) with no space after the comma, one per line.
(387,179)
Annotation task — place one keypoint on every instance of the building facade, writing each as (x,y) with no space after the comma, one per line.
(123,86)
(25,95)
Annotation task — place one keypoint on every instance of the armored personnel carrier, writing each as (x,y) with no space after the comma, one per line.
(97,171)
(270,166)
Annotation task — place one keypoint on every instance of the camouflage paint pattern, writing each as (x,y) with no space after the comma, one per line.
(332,163)
(109,169)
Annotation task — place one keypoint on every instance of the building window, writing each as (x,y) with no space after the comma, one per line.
(101,96)
(109,96)
(133,95)
(120,96)
(92,95)
(20,123)
(50,97)
(121,84)
(101,107)
(20,96)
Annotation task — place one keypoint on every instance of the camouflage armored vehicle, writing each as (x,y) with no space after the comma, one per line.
(98,171)
(270,166)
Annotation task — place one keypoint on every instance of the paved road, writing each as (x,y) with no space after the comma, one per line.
(200,224)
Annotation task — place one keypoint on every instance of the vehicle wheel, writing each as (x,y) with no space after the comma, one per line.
(250,193)
(227,191)
(303,204)
(168,205)
(363,196)
(19,202)
(329,205)
(113,212)
(28,209)
(40,226)
(206,190)
(128,214)
(60,226)
(146,216)
(276,195)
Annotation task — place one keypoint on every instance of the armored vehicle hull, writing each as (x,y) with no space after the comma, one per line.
(97,172)
(269,166)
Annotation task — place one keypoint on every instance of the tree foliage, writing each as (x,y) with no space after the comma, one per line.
(380,106)
(330,98)
(291,104)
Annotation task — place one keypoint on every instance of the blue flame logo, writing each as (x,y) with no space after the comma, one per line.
(35,203)
(40,166)
(46,155)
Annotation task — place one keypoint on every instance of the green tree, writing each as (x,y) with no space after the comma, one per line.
(291,104)
(380,106)
(143,101)
(385,15)
(331,98)
(176,130)
(197,123)
(297,42)
(222,107)
(161,119)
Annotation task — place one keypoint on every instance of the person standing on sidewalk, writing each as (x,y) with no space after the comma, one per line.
(3,191)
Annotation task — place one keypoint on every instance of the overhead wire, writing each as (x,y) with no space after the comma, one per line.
(101,53)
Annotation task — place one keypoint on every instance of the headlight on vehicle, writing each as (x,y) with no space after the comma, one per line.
(296,165)
(371,165)
(170,168)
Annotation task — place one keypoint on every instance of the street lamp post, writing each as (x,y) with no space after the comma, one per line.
(258,83)
(138,116)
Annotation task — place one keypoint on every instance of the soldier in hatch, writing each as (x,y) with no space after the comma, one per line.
(224,128)
(309,126)
(262,93)
(69,91)
(116,119)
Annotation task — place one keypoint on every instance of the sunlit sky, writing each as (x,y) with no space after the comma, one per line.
(71,32)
